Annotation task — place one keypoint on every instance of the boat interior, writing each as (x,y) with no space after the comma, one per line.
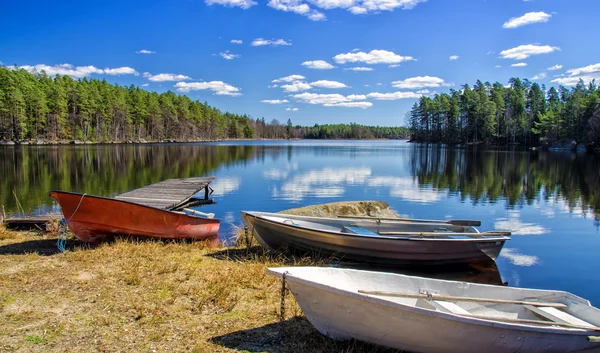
(537,308)
(396,229)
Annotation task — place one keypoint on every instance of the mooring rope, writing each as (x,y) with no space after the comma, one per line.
(282,306)
(61,242)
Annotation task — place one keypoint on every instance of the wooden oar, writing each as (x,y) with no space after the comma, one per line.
(461,299)
(595,339)
(198,213)
(436,234)
(456,222)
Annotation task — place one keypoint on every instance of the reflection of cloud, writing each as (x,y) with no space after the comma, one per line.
(517,227)
(327,182)
(278,174)
(225,185)
(228,217)
(406,188)
(518,259)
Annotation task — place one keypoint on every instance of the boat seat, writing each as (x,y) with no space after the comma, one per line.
(357,230)
(443,306)
(556,315)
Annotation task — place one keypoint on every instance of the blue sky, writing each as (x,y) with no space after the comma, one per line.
(297,59)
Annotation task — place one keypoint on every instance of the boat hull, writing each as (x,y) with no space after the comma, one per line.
(378,250)
(93,219)
(341,316)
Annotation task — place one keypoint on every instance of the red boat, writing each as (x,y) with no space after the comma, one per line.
(95,218)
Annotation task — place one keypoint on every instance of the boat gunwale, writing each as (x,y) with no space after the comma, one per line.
(480,239)
(278,271)
(127,202)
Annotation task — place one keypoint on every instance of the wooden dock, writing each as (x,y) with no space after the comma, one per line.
(171,194)
(30,221)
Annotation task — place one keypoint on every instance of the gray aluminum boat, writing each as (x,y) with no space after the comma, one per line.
(391,242)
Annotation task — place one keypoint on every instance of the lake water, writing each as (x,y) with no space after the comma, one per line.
(549,200)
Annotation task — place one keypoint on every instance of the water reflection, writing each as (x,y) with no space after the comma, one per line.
(518,259)
(407,189)
(483,273)
(324,183)
(513,223)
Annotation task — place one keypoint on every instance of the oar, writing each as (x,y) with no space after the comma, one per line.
(461,299)
(456,222)
(435,234)
(194,212)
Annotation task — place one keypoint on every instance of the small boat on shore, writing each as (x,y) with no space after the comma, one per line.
(383,241)
(425,315)
(141,213)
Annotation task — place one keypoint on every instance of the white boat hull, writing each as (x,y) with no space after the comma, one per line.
(341,316)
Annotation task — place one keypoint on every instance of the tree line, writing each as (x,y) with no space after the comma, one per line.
(522,113)
(37,106)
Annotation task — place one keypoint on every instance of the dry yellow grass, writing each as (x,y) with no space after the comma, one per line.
(147,296)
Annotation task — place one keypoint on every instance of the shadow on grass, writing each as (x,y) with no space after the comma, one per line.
(43,247)
(294,335)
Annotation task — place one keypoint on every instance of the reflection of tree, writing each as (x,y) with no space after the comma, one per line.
(107,169)
(517,177)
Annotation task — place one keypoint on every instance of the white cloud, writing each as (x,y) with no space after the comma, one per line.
(393,95)
(296,86)
(519,259)
(78,71)
(165,77)
(334,100)
(356,7)
(220,88)
(290,78)
(454,57)
(424,91)
(372,57)
(292,109)
(144,51)
(497,66)
(420,82)
(524,51)
(275,101)
(587,74)
(244,4)
(519,65)
(236,41)
(555,67)
(539,76)
(297,6)
(394,66)
(362,105)
(360,68)
(121,71)
(258,42)
(318,64)
(145,85)
(527,19)
(229,56)
(328,84)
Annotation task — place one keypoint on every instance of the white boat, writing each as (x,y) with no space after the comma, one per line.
(382,241)
(425,315)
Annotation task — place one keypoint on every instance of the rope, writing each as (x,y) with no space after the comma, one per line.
(282,306)
(61,242)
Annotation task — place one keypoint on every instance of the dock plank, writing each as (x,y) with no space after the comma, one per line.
(168,194)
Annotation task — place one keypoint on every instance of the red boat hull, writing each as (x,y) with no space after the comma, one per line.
(93,219)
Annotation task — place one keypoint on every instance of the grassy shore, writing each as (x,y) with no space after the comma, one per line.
(148,296)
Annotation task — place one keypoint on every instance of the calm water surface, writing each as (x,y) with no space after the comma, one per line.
(549,200)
